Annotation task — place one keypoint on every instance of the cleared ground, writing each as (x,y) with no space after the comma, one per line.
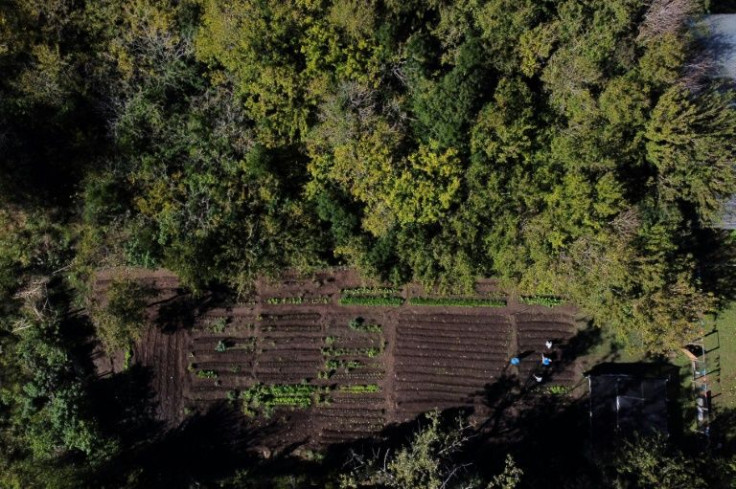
(319,372)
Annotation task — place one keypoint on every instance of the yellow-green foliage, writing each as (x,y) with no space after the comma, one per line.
(120,315)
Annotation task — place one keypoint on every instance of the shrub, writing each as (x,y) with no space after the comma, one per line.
(121,321)
(221,346)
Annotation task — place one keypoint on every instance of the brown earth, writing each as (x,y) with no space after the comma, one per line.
(426,357)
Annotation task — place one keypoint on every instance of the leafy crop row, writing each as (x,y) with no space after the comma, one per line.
(459,301)
(320,299)
(370,352)
(359,300)
(263,398)
(542,300)
(360,389)
(373,291)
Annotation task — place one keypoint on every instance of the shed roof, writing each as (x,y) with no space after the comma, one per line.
(623,404)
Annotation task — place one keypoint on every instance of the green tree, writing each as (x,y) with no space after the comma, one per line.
(428,461)
(120,318)
(690,141)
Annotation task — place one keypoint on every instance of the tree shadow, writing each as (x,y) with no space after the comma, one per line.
(715,252)
(178,312)
(546,434)
(546,430)
(183,309)
(584,341)
(203,448)
(125,407)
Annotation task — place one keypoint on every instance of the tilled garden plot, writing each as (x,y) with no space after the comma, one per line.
(323,370)
(444,360)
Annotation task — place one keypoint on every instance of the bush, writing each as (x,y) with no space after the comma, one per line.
(121,321)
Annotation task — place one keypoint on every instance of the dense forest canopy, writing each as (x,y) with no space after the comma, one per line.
(566,147)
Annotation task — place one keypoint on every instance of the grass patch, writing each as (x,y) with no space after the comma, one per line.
(457,301)
(724,355)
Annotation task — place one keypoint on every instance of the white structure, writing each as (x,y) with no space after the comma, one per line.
(723,30)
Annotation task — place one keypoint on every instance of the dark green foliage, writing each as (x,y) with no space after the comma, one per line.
(445,109)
